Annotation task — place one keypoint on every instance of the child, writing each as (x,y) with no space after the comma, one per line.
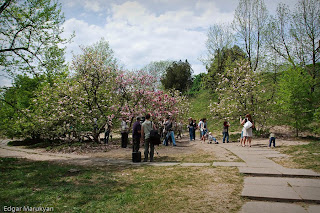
(211,138)
(272,139)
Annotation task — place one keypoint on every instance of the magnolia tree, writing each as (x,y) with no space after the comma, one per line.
(240,92)
(80,103)
(140,96)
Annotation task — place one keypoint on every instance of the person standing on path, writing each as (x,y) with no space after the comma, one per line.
(204,129)
(272,139)
(107,130)
(146,128)
(194,129)
(200,124)
(160,126)
(179,130)
(225,131)
(242,139)
(170,132)
(124,133)
(191,128)
(247,132)
(136,135)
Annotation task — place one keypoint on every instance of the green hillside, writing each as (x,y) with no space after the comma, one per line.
(199,108)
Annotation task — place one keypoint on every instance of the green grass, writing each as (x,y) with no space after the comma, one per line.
(199,108)
(119,188)
(188,158)
(305,156)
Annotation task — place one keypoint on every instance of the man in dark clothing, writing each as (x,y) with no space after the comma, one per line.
(107,132)
(124,133)
(146,128)
(136,135)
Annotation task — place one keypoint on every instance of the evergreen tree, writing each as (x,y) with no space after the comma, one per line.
(178,76)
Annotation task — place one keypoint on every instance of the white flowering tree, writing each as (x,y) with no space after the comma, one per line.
(240,92)
(79,103)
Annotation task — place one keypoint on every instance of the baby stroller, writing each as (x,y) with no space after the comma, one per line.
(211,138)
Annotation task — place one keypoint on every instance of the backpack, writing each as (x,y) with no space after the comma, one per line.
(169,126)
(154,136)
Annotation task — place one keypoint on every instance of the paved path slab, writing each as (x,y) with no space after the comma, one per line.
(195,164)
(271,193)
(314,209)
(282,189)
(260,171)
(277,181)
(258,163)
(271,207)
(297,172)
(273,182)
(231,164)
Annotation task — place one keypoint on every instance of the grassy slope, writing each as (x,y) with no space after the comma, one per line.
(303,156)
(200,109)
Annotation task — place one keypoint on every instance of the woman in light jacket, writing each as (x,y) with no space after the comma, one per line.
(247,133)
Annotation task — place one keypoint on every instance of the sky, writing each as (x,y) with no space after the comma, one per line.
(142,31)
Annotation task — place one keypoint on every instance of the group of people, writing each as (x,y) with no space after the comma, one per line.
(141,133)
(167,128)
(246,133)
(204,133)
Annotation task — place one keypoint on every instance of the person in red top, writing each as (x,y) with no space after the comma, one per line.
(225,131)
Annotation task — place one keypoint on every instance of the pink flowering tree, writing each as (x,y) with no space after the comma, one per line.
(240,91)
(140,96)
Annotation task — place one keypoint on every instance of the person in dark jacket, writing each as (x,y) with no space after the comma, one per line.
(136,135)
(170,132)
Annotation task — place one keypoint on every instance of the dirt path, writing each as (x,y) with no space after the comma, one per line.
(184,147)
(123,156)
(33,154)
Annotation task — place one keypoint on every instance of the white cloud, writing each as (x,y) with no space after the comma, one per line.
(92,5)
(139,35)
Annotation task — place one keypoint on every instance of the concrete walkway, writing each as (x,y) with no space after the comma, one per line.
(272,187)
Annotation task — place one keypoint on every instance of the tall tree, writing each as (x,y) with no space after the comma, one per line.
(30,32)
(239,92)
(220,36)
(14,101)
(293,98)
(225,58)
(250,22)
(178,76)
(278,35)
(198,83)
(294,35)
